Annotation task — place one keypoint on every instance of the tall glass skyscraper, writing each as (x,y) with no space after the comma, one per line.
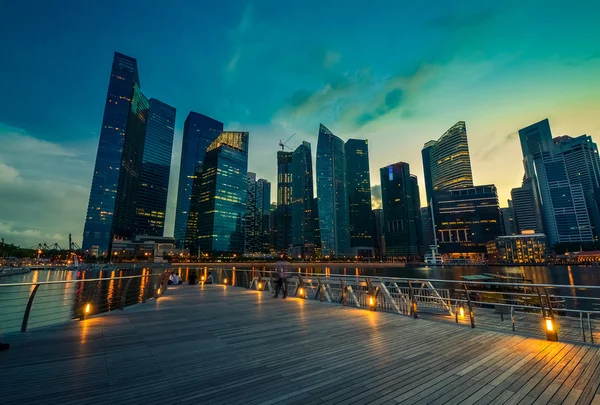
(303,224)
(153,188)
(199,131)
(401,222)
(446,162)
(222,196)
(526,215)
(359,195)
(98,227)
(283,213)
(256,220)
(332,194)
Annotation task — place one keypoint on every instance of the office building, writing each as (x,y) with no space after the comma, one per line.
(97,234)
(467,219)
(427,227)
(379,225)
(359,197)
(283,214)
(303,223)
(518,249)
(332,194)
(199,131)
(256,220)
(222,195)
(153,188)
(526,215)
(583,166)
(400,219)
(131,165)
(564,212)
(508,220)
(446,162)
(535,139)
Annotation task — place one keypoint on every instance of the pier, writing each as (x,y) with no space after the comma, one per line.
(219,344)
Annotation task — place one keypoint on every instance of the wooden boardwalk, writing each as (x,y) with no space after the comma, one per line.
(225,345)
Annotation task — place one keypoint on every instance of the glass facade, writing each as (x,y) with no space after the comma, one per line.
(97,234)
(303,223)
(199,132)
(468,218)
(517,249)
(402,225)
(153,188)
(256,220)
(447,162)
(283,213)
(222,195)
(332,194)
(131,165)
(359,193)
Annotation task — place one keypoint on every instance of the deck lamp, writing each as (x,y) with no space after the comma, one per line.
(158,291)
(202,278)
(461,312)
(88,308)
(260,286)
(372,303)
(550,329)
(301,292)
(225,281)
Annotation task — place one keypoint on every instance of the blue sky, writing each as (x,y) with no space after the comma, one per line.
(396,73)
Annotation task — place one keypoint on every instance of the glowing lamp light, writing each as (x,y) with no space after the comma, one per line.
(461,312)
(259,286)
(202,278)
(549,325)
(88,308)
(158,291)
(371,302)
(225,281)
(301,292)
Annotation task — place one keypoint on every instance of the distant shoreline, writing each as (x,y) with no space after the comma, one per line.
(291,264)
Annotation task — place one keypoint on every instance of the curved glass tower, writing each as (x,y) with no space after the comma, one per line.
(332,194)
(303,224)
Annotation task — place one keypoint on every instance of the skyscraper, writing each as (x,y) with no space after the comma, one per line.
(583,166)
(303,224)
(508,220)
(535,139)
(256,220)
(332,194)
(131,165)
(416,200)
(400,219)
(526,215)
(359,196)
(98,227)
(283,213)
(446,162)
(379,223)
(199,131)
(222,194)
(153,188)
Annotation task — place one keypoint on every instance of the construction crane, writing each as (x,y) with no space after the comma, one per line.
(284,144)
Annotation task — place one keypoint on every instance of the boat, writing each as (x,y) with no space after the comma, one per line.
(11,271)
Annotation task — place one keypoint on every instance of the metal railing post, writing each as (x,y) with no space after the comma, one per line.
(591,329)
(581,326)
(471,312)
(28,308)
(124,294)
(512,317)
(344,292)
(90,299)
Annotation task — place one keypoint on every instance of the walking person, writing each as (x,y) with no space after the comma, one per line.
(278,282)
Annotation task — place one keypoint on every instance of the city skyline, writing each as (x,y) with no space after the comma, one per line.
(47,159)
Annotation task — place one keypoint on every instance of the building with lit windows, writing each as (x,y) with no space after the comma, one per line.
(199,131)
(332,194)
(359,197)
(467,219)
(447,162)
(97,234)
(401,212)
(256,220)
(518,249)
(283,213)
(303,223)
(153,188)
(222,195)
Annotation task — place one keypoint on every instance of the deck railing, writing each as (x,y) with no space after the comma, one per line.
(39,304)
(527,308)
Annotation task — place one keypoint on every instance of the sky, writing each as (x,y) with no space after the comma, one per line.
(396,73)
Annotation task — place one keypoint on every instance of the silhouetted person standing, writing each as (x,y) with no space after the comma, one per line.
(281,283)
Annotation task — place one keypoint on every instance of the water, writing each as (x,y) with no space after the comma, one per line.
(59,303)
(62,302)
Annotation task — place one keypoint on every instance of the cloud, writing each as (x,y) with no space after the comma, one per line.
(376,196)
(239,35)
(44,188)
(8,174)
(331,59)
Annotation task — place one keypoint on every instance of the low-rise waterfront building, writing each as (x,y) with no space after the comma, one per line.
(527,248)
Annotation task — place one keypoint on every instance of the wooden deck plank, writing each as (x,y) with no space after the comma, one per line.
(222,345)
